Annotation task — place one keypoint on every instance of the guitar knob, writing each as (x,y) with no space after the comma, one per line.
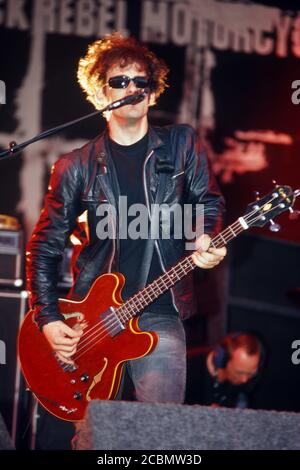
(77,396)
(274,227)
(84,377)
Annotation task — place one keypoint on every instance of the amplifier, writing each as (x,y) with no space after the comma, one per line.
(11,258)
(13,396)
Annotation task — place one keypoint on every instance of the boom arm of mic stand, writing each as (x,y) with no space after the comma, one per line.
(15,148)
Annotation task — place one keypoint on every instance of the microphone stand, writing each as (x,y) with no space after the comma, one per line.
(15,148)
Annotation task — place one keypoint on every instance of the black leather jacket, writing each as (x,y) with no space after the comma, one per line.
(176,170)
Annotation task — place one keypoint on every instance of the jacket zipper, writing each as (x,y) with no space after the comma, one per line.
(113,226)
(149,213)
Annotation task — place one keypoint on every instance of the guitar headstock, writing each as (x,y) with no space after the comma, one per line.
(263,210)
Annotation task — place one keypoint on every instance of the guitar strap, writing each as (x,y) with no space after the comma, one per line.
(154,224)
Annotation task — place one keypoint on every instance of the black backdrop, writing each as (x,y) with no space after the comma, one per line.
(243,100)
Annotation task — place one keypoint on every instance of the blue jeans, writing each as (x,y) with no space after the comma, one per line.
(161,376)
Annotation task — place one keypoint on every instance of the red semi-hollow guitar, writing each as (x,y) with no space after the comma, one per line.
(112,335)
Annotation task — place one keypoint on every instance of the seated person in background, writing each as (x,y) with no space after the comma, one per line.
(229,372)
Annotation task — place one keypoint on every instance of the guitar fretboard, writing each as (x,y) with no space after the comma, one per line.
(163,283)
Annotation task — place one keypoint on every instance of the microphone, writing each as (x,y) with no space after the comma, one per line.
(130,99)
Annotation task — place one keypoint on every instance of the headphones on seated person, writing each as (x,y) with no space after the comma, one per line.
(222,352)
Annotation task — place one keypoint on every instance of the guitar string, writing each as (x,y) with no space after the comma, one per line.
(144,291)
(132,300)
(128,304)
(114,322)
(162,279)
(97,334)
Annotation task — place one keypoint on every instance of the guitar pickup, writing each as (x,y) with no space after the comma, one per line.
(111,321)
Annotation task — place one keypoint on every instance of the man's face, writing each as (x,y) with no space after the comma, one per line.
(241,367)
(128,112)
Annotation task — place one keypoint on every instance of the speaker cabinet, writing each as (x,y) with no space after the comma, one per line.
(11,258)
(120,425)
(265,270)
(263,274)
(13,398)
(279,385)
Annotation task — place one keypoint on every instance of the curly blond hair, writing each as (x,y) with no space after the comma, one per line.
(115,49)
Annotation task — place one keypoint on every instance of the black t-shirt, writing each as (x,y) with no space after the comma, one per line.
(128,161)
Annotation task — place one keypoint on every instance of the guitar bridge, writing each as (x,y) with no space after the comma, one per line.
(66,367)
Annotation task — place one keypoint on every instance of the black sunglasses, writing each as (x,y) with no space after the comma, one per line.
(122,81)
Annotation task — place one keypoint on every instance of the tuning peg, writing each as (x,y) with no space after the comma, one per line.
(12,146)
(275,183)
(293,214)
(297,192)
(274,227)
(256,194)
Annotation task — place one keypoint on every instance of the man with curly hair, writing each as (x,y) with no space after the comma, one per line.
(149,165)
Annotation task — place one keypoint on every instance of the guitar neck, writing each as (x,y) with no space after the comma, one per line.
(163,283)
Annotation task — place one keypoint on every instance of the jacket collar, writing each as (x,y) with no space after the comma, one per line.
(101,147)
(155,140)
